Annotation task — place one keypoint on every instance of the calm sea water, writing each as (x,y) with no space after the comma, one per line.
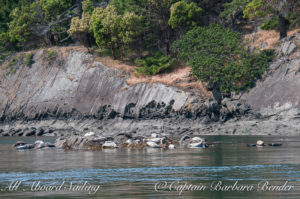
(153,173)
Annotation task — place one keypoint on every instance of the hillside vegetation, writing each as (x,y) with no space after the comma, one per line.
(156,35)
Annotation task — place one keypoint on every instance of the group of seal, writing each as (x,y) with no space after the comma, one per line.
(92,141)
(260,143)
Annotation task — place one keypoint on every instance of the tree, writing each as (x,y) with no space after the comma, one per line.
(6,6)
(280,8)
(184,15)
(80,25)
(159,16)
(113,30)
(216,55)
(24,18)
(44,19)
(234,11)
(80,28)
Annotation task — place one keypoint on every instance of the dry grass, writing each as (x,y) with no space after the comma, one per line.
(179,77)
(271,37)
(63,52)
(122,66)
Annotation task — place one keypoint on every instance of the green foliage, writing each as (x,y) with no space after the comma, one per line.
(234,7)
(294,19)
(262,8)
(216,55)
(80,25)
(29,59)
(4,41)
(87,6)
(270,24)
(30,14)
(50,54)
(13,64)
(6,6)
(113,30)
(153,65)
(52,8)
(184,14)
(23,20)
(257,8)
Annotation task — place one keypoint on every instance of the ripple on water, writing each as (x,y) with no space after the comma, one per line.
(241,173)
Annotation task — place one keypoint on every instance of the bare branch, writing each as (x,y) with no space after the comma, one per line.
(65,39)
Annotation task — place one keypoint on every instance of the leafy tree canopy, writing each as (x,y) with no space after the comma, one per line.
(184,14)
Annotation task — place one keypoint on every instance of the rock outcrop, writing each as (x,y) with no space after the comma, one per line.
(72,87)
(72,94)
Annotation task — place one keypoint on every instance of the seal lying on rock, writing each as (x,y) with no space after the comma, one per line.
(25,146)
(128,141)
(261,143)
(89,134)
(274,144)
(19,143)
(38,144)
(122,140)
(195,142)
(109,145)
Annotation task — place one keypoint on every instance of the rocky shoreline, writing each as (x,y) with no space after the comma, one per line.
(72,94)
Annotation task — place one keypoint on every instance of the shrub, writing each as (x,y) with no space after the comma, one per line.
(29,59)
(217,56)
(153,65)
(48,56)
(270,24)
(51,54)
(294,19)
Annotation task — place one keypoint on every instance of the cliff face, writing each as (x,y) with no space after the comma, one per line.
(66,91)
(278,91)
(74,86)
(69,85)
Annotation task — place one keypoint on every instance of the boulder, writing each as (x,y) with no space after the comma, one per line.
(40,132)
(288,48)
(29,132)
(263,45)
(49,145)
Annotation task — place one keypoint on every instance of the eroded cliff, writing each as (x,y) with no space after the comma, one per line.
(66,91)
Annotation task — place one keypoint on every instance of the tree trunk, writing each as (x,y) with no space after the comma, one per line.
(112,48)
(121,52)
(282,26)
